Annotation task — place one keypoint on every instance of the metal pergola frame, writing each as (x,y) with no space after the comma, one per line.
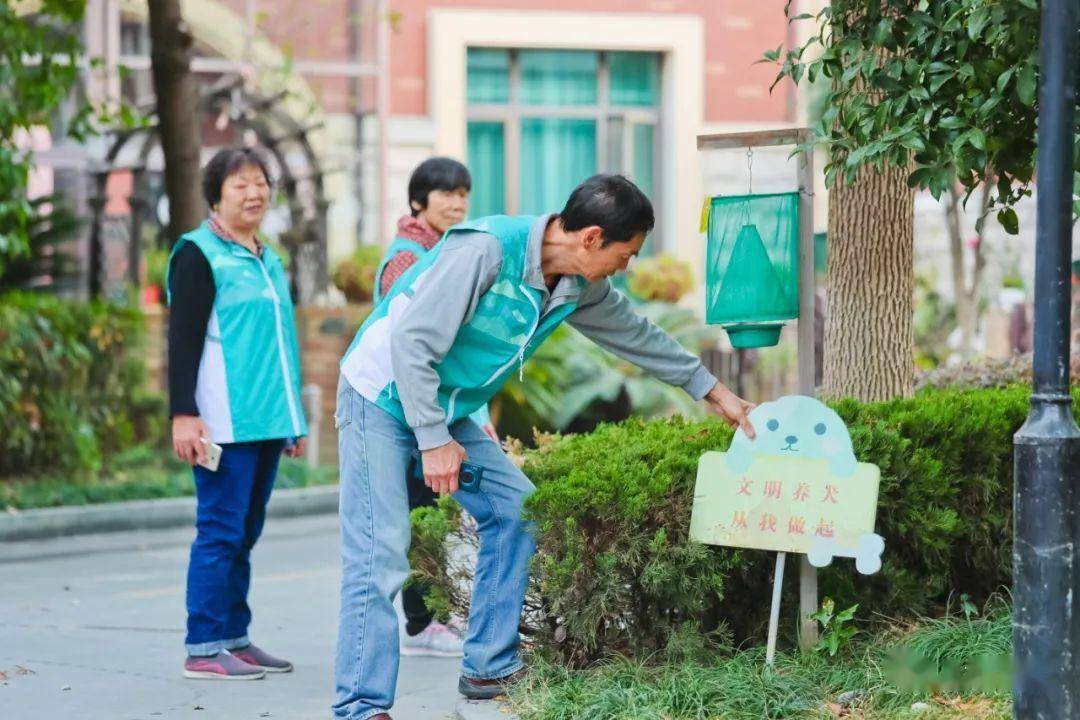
(276,130)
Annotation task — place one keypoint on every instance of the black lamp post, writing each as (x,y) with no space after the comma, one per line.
(1046,546)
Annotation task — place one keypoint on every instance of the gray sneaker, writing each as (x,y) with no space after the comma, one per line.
(262,659)
(436,640)
(222,666)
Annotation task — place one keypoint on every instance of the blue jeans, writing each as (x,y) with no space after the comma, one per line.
(374,450)
(228,521)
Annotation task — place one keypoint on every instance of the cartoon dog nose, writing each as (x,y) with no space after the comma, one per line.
(791,439)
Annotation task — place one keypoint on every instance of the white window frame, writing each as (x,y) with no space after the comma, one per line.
(511,113)
(679,38)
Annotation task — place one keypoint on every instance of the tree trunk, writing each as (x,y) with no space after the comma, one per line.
(956,261)
(177,115)
(868,328)
(966,294)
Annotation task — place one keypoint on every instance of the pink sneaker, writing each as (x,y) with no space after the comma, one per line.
(222,666)
(262,659)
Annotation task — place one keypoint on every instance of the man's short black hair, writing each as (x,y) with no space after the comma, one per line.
(437,173)
(613,203)
(226,162)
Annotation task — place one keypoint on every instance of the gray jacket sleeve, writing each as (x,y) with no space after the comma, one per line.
(606,316)
(444,299)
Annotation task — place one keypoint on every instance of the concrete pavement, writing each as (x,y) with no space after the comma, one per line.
(92,628)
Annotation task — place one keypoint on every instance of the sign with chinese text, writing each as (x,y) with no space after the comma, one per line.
(796,487)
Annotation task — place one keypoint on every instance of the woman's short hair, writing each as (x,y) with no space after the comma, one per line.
(226,162)
(611,202)
(437,173)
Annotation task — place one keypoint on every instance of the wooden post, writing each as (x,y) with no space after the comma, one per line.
(808,595)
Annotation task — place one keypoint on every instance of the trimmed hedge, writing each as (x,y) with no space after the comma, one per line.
(616,573)
(71,385)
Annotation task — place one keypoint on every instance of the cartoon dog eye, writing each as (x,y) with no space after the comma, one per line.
(820,428)
(773,424)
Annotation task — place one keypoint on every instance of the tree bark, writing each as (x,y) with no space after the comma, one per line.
(177,115)
(868,328)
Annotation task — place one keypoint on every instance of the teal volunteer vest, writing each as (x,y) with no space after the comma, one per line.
(481,417)
(248,387)
(504,331)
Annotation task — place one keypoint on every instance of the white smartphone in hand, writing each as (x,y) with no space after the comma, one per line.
(213,455)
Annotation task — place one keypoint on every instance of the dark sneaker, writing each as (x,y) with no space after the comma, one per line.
(222,666)
(262,659)
(475,689)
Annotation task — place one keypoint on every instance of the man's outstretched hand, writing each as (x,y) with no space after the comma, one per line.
(731,407)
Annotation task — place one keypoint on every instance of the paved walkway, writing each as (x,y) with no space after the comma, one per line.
(92,628)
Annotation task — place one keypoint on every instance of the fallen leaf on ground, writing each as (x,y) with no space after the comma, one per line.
(837,709)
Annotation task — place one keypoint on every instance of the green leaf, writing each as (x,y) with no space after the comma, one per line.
(952,122)
(913,141)
(977,22)
(1026,85)
(977,138)
(1003,79)
(937,81)
(1009,222)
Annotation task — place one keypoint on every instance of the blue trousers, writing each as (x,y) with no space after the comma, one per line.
(230,515)
(374,450)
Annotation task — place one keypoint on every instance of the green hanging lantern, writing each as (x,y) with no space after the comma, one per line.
(752,283)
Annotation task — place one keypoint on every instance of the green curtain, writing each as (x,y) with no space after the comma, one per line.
(644,172)
(556,155)
(635,79)
(487,163)
(558,77)
(488,75)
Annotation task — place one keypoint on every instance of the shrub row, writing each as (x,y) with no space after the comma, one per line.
(71,384)
(615,571)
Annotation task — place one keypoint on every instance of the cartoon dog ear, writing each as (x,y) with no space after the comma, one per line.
(739,456)
(868,554)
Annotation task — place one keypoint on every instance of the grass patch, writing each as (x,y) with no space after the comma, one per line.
(736,685)
(142,473)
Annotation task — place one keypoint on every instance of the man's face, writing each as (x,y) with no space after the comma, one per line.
(602,261)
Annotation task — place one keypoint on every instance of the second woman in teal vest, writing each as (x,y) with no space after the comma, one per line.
(234,380)
(439,191)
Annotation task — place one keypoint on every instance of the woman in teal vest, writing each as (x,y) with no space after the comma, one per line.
(438,199)
(234,381)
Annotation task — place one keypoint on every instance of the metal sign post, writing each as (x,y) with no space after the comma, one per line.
(772,138)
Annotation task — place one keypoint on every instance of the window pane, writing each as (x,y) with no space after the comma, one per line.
(643,157)
(487,161)
(644,176)
(556,155)
(488,78)
(635,78)
(558,77)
